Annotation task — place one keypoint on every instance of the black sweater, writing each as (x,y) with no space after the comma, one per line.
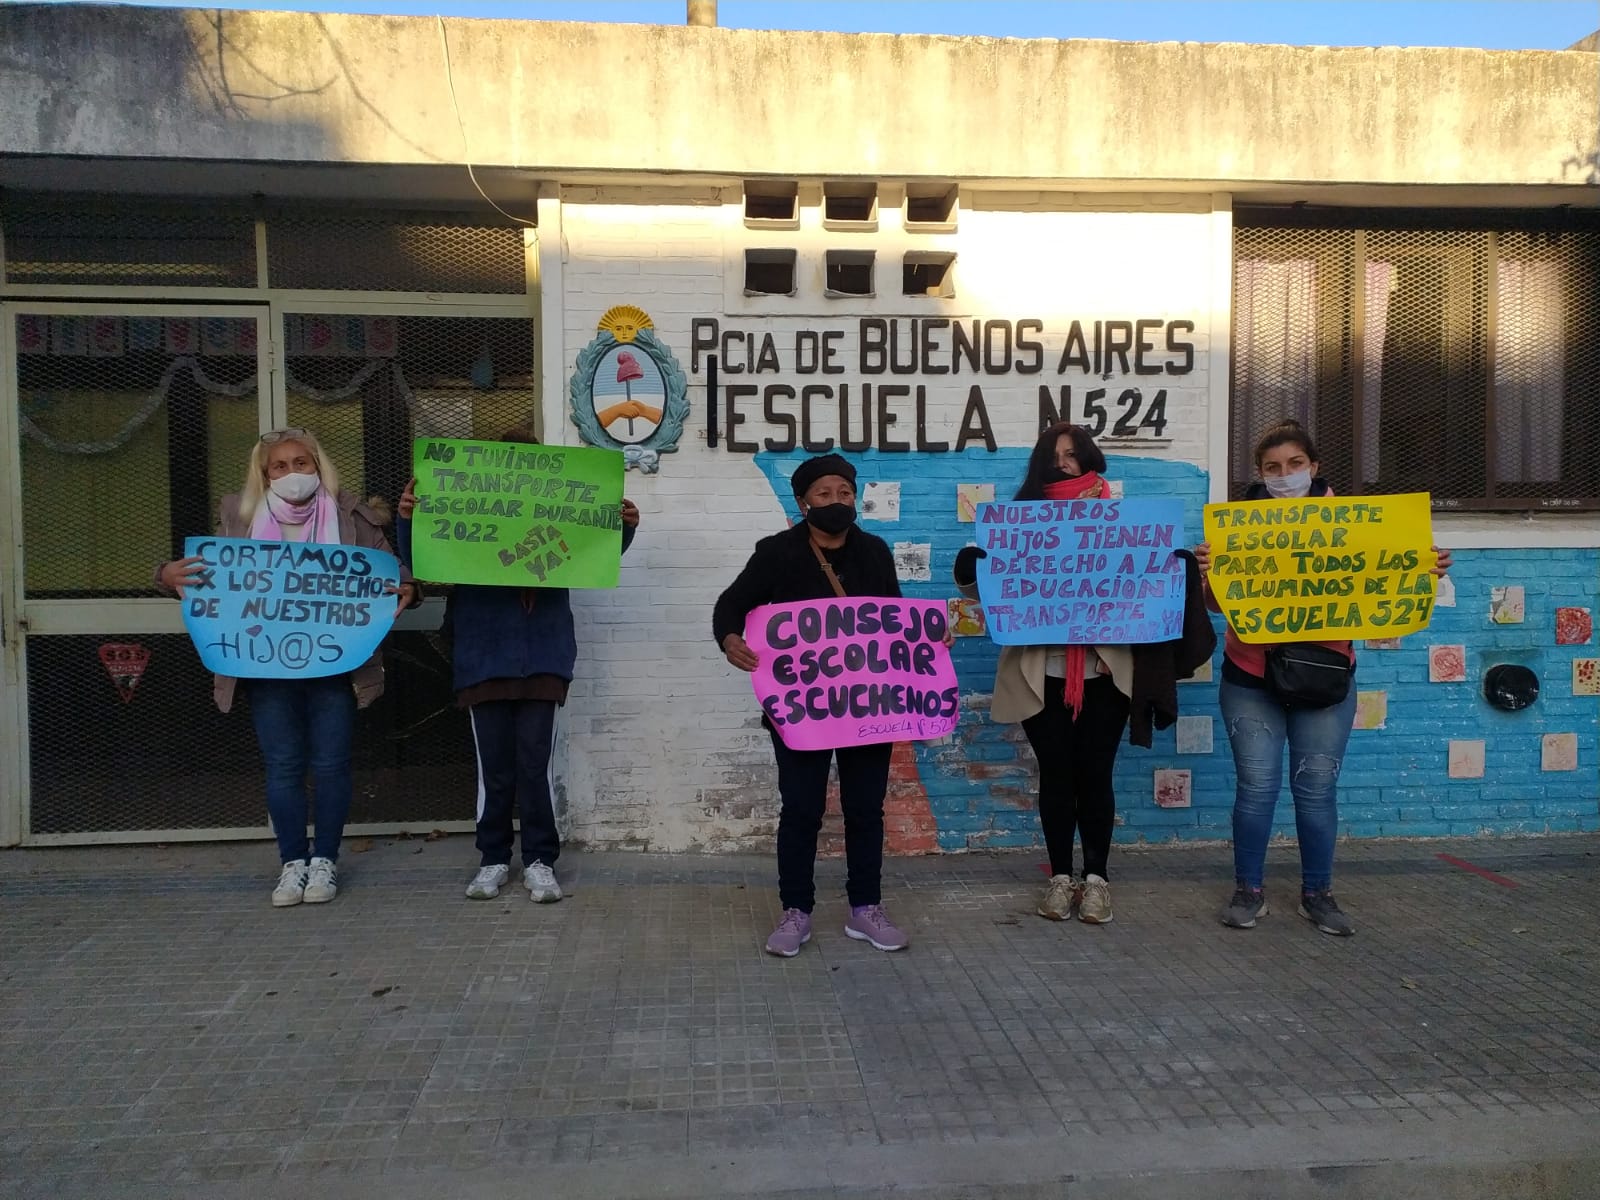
(783,569)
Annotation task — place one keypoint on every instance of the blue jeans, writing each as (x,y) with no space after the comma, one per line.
(1258,728)
(305,724)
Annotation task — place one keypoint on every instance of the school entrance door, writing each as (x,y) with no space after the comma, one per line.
(121,428)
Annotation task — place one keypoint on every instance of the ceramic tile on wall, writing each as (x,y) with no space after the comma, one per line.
(1173,788)
(1558,752)
(968,497)
(1466,760)
(1574,626)
(1447,664)
(1508,605)
(880,502)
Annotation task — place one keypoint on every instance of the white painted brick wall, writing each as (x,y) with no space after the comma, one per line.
(663,749)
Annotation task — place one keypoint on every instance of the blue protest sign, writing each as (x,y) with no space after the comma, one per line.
(287,610)
(1081,572)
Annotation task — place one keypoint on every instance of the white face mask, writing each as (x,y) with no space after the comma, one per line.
(296,487)
(1289,487)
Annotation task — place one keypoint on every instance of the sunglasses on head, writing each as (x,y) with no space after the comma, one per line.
(281,435)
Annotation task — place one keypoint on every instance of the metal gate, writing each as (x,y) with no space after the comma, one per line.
(120,428)
(144,346)
(123,426)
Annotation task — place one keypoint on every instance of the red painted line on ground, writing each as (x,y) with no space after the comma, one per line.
(1484,872)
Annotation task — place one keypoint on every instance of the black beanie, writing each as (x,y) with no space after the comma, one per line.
(814,469)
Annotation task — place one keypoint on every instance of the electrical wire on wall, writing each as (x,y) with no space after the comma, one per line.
(466,149)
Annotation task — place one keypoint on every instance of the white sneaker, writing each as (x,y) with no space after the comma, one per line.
(541,884)
(322,881)
(486,884)
(291,887)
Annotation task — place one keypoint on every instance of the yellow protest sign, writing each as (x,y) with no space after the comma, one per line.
(1326,569)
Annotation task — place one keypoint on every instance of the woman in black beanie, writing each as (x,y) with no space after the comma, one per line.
(824,555)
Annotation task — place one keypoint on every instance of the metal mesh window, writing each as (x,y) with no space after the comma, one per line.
(394,253)
(155,755)
(366,386)
(1455,355)
(133,428)
(130,246)
(151,752)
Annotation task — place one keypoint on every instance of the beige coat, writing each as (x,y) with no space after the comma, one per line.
(358,526)
(1019,676)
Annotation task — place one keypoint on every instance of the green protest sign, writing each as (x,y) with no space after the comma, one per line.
(516,515)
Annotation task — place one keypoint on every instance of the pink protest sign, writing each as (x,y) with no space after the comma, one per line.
(853,671)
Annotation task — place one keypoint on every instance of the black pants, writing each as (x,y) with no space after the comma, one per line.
(803,790)
(1075,761)
(515,739)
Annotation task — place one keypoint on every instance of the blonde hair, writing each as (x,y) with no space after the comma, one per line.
(254,492)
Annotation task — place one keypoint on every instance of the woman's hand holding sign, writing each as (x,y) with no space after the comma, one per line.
(408,593)
(738,653)
(183,573)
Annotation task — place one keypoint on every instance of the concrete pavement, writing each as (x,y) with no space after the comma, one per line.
(165,1032)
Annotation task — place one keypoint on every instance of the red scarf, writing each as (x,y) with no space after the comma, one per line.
(1076,488)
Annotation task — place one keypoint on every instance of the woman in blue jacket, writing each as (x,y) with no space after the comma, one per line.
(513,653)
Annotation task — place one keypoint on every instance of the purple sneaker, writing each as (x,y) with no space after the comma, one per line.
(870,923)
(792,932)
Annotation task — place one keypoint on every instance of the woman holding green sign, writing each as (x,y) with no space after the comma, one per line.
(291,493)
(1294,694)
(513,652)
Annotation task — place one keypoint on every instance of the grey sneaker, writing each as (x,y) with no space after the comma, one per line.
(486,884)
(793,931)
(870,923)
(1323,911)
(1060,897)
(291,887)
(1247,904)
(1095,906)
(541,883)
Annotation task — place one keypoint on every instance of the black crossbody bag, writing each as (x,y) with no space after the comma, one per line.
(1304,675)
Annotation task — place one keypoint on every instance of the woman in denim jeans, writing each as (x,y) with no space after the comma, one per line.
(1259,726)
(291,493)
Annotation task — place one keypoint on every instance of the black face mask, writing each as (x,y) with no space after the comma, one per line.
(832,518)
(1055,474)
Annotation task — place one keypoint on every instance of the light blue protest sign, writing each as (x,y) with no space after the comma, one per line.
(1081,572)
(287,610)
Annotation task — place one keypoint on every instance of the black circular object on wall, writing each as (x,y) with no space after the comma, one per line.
(1510,687)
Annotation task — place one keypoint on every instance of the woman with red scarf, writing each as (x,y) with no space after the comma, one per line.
(1072,701)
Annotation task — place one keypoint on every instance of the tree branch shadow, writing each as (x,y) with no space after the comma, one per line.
(1586,167)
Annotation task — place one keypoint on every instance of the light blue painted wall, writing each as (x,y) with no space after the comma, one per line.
(1395,780)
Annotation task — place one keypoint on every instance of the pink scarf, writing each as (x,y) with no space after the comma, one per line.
(1087,484)
(320,515)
